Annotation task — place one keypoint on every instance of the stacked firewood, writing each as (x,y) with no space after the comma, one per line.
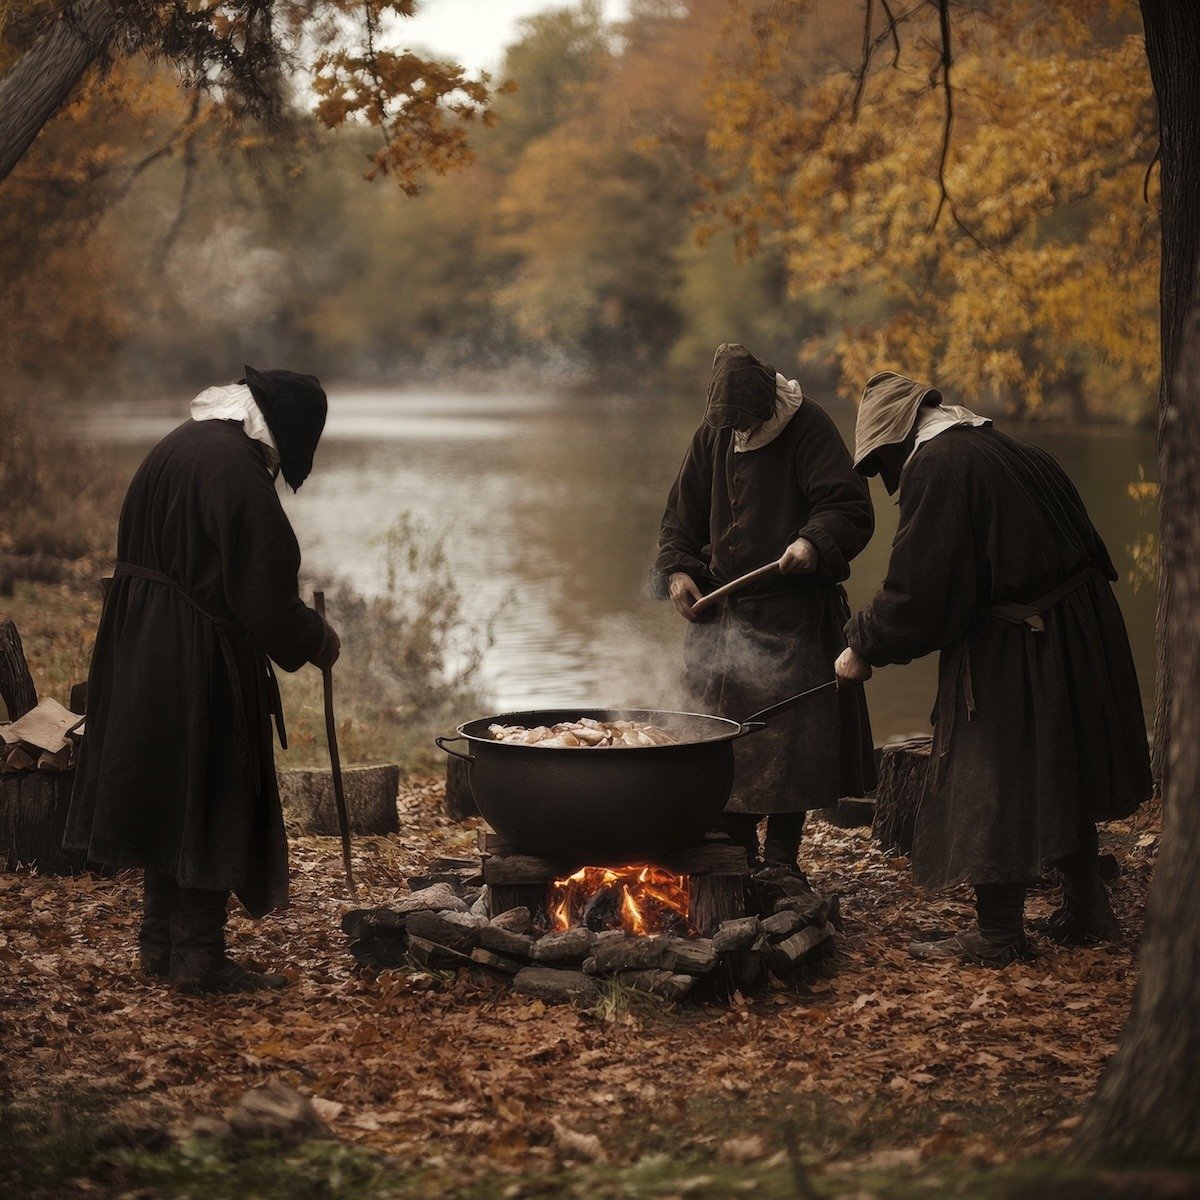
(443,925)
(39,741)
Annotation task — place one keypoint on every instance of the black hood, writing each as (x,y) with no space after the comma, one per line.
(741,387)
(294,407)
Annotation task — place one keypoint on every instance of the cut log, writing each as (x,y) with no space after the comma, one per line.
(690,956)
(435,957)
(532,897)
(711,858)
(455,931)
(795,956)
(903,771)
(497,962)
(460,800)
(523,868)
(16,683)
(783,924)
(33,818)
(737,935)
(851,813)
(715,899)
(556,987)
(371,793)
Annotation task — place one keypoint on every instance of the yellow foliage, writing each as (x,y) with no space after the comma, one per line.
(1039,275)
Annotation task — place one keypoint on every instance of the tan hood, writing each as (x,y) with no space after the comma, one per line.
(888,411)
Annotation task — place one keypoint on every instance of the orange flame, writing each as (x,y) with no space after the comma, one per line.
(648,899)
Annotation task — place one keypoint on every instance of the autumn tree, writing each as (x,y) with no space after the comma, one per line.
(249,55)
(1071,157)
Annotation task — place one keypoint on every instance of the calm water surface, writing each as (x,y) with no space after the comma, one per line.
(551,508)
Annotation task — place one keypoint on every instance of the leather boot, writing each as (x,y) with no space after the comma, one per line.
(1085,917)
(972,949)
(199,964)
(782,843)
(159,894)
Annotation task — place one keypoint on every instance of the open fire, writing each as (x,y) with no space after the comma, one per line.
(639,899)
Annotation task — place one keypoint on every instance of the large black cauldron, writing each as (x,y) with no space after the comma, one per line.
(609,806)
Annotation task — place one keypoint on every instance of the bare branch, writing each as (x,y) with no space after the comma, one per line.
(893,30)
(865,65)
(1149,171)
(947,59)
(190,159)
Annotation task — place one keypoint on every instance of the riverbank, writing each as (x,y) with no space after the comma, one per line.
(881,1078)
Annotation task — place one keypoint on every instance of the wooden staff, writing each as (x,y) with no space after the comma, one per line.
(339,793)
(739,583)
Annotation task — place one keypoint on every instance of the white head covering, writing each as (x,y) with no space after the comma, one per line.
(235,402)
(932,421)
(788,398)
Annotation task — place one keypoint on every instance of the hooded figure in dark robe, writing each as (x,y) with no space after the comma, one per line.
(767,479)
(176,771)
(1039,730)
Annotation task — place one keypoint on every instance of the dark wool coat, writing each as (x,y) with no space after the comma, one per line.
(175,772)
(1038,725)
(729,513)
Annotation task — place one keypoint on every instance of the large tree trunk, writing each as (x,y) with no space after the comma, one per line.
(36,85)
(1147,1107)
(1173,49)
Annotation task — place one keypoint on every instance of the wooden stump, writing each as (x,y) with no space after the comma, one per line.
(33,816)
(902,775)
(460,800)
(16,684)
(371,794)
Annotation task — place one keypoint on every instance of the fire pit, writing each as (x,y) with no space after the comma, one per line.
(696,923)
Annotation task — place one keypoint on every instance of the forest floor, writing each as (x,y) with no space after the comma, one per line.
(881,1078)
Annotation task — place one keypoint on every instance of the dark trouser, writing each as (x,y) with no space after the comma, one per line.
(782,844)
(183,929)
(1000,907)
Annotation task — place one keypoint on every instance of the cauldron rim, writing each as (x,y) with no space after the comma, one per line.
(552,716)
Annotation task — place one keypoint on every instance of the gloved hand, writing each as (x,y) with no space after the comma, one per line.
(800,558)
(329,649)
(851,667)
(684,593)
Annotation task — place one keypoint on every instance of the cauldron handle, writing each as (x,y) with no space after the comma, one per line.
(760,720)
(441,742)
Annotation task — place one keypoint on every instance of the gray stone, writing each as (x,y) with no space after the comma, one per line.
(666,984)
(504,941)
(568,945)
(309,804)
(557,987)
(736,935)
(439,898)
(515,920)
(275,1110)
(627,954)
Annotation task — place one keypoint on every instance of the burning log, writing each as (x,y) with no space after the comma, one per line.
(903,769)
(309,804)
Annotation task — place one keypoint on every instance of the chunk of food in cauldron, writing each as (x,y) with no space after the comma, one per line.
(584,734)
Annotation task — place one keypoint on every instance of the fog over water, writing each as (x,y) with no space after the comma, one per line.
(551,508)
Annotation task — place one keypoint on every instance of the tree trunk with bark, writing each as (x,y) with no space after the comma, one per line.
(1147,1107)
(37,85)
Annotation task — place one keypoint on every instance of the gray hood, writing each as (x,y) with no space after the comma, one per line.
(888,411)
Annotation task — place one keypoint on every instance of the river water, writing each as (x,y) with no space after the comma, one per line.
(550,508)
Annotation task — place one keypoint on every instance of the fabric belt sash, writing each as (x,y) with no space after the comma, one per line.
(1032,615)
(221,628)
